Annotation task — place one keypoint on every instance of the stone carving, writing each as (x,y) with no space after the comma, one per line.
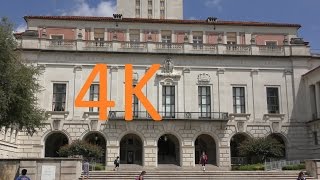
(168,65)
(204,78)
(168,69)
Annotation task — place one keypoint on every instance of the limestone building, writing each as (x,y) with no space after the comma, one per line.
(151,9)
(220,83)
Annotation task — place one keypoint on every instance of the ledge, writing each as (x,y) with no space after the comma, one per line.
(240,116)
(57,114)
(274,117)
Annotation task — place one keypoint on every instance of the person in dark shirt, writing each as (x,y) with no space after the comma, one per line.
(23,175)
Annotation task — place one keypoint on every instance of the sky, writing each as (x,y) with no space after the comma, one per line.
(304,12)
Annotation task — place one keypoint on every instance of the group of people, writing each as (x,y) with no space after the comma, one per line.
(86,167)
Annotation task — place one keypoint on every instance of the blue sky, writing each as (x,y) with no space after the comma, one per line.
(304,12)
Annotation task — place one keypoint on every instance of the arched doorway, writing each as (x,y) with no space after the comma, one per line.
(279,138)
(97,139)
(235,142)
(131,148)
(205,143)
(168,150)
(53,143)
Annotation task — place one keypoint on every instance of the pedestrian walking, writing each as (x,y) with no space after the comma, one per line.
(85,169)
(203,160)
(116,163)
(23,175)
(140,177)
(301,176)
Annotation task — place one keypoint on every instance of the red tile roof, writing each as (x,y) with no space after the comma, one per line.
(166,21)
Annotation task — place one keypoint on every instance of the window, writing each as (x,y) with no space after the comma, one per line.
(231,38)
(138,3)
(204,99)
(271,43)
(150,3)
(239,100)
(59,97)
(168,101)
(166,41)
(137,13)
(161,3)
(273,100)
(315,136)
(162,15)
(57,39)
(197,41)
(99,36)
(135,105)
(150,13)
(94,96)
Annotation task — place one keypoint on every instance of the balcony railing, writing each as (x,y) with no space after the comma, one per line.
(173,115)
(158,47)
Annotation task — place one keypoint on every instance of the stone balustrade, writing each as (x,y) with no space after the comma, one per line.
(158,47)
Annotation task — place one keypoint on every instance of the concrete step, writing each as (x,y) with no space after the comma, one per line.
(179,175)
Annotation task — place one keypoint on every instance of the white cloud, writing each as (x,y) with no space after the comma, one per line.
(21,28)
(214,4)
(82,8)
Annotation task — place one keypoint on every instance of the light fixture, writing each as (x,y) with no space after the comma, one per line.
(96,137)
(165,138)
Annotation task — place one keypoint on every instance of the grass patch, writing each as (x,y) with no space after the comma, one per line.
(294,167)
(249,167)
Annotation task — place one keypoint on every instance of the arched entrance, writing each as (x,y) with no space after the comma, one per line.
(53,143)
(168,150)
(235,142)
(205,143)
(97,139)
(131,148)
(279,138)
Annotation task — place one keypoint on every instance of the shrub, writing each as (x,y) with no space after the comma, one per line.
(294,167)
(98,167)
(250,167)
(259,149)
(81,148)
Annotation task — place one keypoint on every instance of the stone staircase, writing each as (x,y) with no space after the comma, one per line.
(195,175)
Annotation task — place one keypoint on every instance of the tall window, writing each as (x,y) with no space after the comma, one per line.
(99,36)
(198,41)
(162,14)
(149,13)
(271,43)
(166,40)
(315,136)
(231,38)
(239,100)
(168,101)
(204,99)
(162,9)
(137,8)
(94,96)
(273,100)
(57,39)
(135,105)
(59,97)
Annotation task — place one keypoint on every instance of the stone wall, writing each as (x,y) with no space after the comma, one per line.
(65,169)
(313,167)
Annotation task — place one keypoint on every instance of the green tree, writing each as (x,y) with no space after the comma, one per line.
(81,148)
(18,85)
(259,149)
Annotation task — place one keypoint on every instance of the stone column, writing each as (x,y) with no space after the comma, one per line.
(78,83)
(318,98)
(187,154)
(224,160)
(289,93)
(254,76)
(223,105)
(150,154)
(113,150)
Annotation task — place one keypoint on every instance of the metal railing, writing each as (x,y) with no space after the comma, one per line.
(98,44)
(61,43)
(169,46)
(238,49)
(278,165)
(173,115)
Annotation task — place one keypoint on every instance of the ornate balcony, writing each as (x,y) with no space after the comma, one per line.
(158,47)
(143,115)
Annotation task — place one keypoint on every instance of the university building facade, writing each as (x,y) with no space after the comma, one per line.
(220,82)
